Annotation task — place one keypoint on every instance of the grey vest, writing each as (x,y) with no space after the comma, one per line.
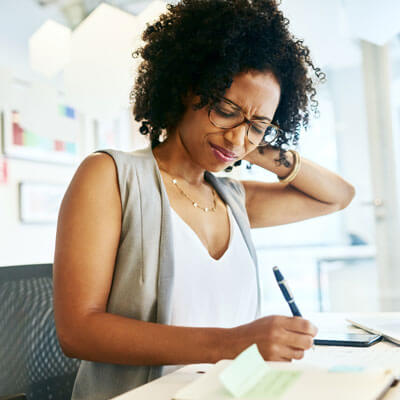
(144,268)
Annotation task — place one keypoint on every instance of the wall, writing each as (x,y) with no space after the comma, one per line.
(22,243)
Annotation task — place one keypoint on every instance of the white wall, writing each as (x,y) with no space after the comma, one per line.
(22,243)
(30,244)
(346,87)
(19,243)
(19,19)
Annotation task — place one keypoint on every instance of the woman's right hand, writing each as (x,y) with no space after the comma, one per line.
(278,338)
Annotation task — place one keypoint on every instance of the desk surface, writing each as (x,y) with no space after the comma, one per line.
(381,354)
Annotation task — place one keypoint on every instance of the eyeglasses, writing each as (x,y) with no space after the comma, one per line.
(226,114)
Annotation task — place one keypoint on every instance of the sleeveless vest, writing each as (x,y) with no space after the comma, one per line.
(144,266)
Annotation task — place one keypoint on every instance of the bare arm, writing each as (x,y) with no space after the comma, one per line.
(87,241)
(315,191)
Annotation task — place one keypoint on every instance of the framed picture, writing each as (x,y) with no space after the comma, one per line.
(19,141)
(39,203)
(107,134)
(113,133)
(39,128)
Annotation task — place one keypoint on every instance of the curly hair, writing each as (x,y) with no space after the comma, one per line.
(201,45)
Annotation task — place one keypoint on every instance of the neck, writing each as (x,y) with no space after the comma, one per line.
(173,158)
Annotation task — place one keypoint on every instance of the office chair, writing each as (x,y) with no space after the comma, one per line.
(32,364)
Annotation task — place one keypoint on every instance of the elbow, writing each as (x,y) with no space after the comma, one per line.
(348,196)
(75,337)
(70,334)
(65,341)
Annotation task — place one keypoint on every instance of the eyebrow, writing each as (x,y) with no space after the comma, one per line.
(240,108)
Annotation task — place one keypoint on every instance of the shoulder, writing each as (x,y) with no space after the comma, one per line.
(92,201)
(233,184)
(97,168)
(126,162)
(133,156)
(97,172)
(95,178)
(121,172)
(230,189)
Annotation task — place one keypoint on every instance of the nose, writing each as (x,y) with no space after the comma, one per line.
(237,136)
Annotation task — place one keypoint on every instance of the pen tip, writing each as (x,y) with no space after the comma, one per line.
(275,268)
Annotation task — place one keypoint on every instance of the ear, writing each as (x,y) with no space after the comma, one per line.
(187,99)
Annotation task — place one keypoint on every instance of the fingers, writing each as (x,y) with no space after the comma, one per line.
(294,332)
(287,353)
(301,325)
(295,324)
(296,354)
(283,338)
(298,341)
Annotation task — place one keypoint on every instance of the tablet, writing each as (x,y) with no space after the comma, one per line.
(387,326)
(346,339)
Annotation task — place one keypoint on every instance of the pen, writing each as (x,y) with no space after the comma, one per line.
(287,294)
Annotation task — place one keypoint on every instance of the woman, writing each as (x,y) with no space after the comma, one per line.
(154,264)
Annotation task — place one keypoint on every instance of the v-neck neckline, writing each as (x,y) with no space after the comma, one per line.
(189,228)
(230,216)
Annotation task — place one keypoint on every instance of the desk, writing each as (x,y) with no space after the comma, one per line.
(165,387)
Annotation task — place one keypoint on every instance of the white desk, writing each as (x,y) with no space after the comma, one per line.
(165,387)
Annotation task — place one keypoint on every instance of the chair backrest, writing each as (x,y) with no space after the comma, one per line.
(31,359)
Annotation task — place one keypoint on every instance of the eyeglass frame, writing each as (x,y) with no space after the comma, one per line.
(249,122)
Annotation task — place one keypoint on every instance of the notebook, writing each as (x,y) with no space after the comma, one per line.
(249,377)
(385,326)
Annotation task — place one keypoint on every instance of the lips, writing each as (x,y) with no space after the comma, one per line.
(223,153)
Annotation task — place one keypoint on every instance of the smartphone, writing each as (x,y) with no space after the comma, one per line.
(347,339)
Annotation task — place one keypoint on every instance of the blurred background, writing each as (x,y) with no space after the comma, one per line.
(65,74)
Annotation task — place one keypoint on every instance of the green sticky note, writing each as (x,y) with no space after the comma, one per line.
(273,384)
(248,374)
(244,372)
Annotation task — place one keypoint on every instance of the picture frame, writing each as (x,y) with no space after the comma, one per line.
(39,129)
(39,203)
(113,132)
(18,141)
(106,134)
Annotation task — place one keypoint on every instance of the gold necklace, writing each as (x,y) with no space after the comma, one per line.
(195,204)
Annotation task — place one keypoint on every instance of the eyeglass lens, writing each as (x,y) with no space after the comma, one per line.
(225,115)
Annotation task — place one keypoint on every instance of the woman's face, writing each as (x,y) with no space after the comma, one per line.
(256,93)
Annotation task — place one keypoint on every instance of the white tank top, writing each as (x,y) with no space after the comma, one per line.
(208,292)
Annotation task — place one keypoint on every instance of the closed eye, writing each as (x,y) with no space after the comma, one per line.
(224,114)
(259,130)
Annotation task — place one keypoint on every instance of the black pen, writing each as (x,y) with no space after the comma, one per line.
(287,294)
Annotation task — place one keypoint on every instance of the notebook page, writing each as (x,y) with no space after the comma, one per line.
(284,381)
(248,376)
(311,385)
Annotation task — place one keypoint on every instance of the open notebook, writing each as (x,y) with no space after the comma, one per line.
(385,326)
(250,377)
